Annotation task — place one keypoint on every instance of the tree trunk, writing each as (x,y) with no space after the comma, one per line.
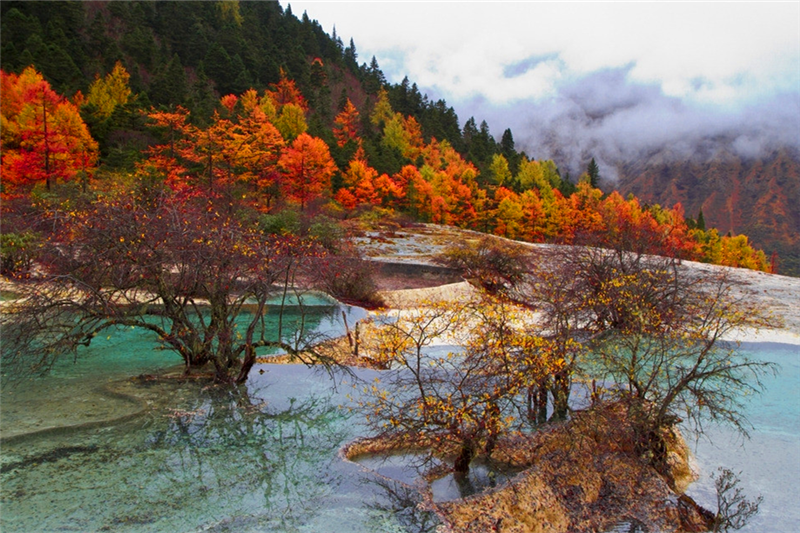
(461,464)
(541,404)
(560,391)
(537,404)
(247,364)
(222,374)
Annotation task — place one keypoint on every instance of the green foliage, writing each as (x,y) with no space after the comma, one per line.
(327,232)
(594,173)
(285,222)
(701,221)
(170,85)
(17,252)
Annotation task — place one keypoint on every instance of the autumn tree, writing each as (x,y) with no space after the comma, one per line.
(108,92)
(509,214)
(499,171)
(651,326)
(185,271)
(291,121)
(662,330)
(307,168)
(382,113)
(734,509)
(263,145)
(346,124)
(460,404)
(286,92)
(359,182)
(236,154)
(496,265)
(163,163)
(213,151)
(44,138)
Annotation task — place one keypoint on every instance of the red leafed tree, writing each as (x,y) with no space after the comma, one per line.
(307,167)
(286,92)
(346,124)
(229,103)
(44,138)
(163,158)
(183,270)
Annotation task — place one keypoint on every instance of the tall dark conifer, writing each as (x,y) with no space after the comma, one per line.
(594,173)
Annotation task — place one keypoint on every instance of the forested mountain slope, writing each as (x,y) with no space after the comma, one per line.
(758,197)
(191,53)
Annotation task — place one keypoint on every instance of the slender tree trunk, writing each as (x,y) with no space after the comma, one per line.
(465,455)
(560,389)
(46,143)
(247,364)
(537,404)
(541,404)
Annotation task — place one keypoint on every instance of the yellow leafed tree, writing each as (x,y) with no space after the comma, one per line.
(106,93)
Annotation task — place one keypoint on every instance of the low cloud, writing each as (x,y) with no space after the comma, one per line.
(606,116)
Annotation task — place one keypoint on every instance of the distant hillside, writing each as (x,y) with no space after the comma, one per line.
(759,198)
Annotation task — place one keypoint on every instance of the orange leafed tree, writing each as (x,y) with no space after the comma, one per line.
(346,124)
(363,185)
(286,92)
(163,158)
(359,178)
(259,155)
(44,138)
(307,168)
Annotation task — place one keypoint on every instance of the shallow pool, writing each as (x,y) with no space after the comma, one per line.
(186,457)
(769,461)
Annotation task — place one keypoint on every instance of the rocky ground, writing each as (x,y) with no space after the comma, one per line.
(420,244)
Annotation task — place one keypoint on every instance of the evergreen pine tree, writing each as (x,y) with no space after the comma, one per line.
(218,68)
(350,56)
(701,221)
(594,173)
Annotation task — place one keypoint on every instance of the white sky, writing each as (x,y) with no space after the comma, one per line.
(712,52)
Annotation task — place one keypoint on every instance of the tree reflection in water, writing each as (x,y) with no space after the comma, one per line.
(238,455)
(205,460)
(402,503)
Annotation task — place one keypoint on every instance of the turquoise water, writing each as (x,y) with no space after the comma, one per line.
(183,456)
(264,458)
(769,461)
(186,457)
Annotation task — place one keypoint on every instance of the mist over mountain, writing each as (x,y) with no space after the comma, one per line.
(606,116)
(739,165)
